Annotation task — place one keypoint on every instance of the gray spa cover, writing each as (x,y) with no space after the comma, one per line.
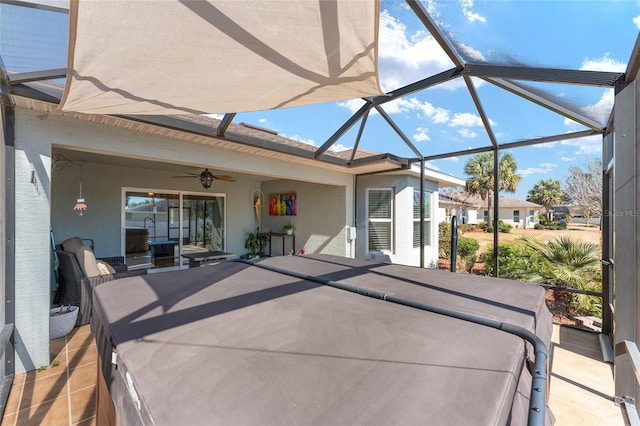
(234,344)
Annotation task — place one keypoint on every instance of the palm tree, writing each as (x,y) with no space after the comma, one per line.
(546,192)
(573,264)
(480,182)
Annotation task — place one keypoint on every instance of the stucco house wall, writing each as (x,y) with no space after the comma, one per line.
(403,251)
(320,222)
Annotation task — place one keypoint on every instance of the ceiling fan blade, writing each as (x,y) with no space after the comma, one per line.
(184,176)
(224,177)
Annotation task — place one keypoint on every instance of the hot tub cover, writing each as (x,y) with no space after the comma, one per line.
(234,344)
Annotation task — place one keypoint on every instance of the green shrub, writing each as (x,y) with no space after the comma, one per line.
(514,261)
(463,228)
(444,240)
(468,251)
(490,229)
(482,225)
(538,226)
(444,229)
(504,227)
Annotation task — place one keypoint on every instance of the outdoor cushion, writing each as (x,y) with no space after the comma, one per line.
(71,244)
(105,268)
(84,255)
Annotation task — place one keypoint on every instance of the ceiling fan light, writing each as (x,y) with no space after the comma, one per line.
(206,179)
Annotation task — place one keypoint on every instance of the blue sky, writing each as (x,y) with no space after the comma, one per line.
(589,35)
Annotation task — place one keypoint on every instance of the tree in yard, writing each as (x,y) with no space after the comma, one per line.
(548,193)
(480,172)
(584,188)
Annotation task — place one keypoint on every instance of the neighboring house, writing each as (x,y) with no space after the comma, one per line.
(561,212)
(457,204)
(513,211)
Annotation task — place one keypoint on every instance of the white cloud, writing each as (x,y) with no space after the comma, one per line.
(568,159)
(471,16)
(425,109)
(586,146)
(466,119)
(466,133)
(406,58)
(262,120)
(452,159)
(421,135)
(474,54)
(606,63)
(601,109)
(543,168)
(337,147)
(352,105)
(636,21)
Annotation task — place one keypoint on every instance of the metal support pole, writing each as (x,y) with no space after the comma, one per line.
(454,243)
(421,213)
(496,205)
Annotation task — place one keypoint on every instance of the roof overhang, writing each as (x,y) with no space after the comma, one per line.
(246,140)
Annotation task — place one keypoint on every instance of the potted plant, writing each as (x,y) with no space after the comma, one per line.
(288,229)
(255,243)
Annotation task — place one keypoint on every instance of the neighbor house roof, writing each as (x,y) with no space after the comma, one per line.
(504,202)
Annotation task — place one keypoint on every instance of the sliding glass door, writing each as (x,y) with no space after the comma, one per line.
(160,226)
(203,223)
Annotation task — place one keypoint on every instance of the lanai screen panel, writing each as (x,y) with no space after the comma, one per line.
(177,57)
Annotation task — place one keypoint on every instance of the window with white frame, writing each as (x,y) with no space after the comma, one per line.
(380,219)
(416,218)
(516,216)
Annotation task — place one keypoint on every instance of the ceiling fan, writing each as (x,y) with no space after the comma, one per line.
(207,178)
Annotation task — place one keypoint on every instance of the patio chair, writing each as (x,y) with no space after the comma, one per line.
(79,272)
(116,262)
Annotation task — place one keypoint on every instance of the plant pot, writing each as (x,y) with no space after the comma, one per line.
(289,231)
(62,320)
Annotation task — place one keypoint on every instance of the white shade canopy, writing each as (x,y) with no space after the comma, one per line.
(196,56)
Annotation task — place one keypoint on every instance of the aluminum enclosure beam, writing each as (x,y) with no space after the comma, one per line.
(224,124)
(516,89)
(26,77)
(480,109)
(548,75)
(343,129)
(434,80)
(633,66)
(528,142)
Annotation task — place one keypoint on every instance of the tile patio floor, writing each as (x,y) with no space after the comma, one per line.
(581,384)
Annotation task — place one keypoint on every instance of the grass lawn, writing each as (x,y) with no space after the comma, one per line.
(575,231)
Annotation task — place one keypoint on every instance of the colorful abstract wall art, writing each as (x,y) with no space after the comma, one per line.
(283,204)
